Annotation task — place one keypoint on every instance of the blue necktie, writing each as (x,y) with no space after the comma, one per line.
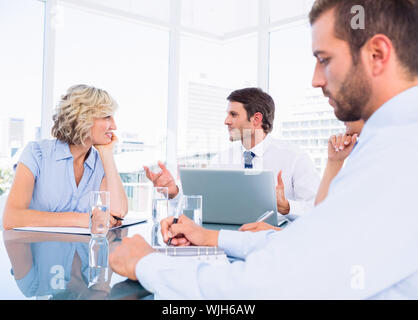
(248,159)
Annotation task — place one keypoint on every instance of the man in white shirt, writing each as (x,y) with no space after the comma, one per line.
(249,119)
(361,241)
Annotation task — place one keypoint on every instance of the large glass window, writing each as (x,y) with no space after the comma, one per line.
(209,72)
(291,71)
(21,54)
(123,47)
(130,61)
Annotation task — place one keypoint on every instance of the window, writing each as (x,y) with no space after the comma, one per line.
(130,61)
(209,72)
(291,71)
(21,58)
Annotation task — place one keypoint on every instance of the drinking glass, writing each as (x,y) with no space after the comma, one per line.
(99,213)
(192,208)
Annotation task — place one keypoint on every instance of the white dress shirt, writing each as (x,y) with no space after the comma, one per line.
(360,242)
(300,179)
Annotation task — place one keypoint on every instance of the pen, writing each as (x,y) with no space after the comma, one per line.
(265,216)
(169,240)
(117,218)
(176,216)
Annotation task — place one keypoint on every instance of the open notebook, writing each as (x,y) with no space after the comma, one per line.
(211,254)
(74,230)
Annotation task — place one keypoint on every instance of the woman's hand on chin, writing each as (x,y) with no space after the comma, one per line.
(103,148)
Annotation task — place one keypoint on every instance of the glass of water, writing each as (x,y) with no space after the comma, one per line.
(99,213)
(159,204)
(192,208)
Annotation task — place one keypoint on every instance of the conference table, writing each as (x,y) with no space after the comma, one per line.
(55,266)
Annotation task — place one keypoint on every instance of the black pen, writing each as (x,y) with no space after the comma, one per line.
(117,218)
(176,215)
(169,240)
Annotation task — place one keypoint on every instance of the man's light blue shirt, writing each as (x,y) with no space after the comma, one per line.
(55,189)
(361,242)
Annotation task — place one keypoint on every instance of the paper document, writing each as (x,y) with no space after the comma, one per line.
(75,230)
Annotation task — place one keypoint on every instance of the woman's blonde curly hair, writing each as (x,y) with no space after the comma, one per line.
(76,111)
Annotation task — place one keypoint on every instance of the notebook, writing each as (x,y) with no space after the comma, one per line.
(75,230)
(212,254)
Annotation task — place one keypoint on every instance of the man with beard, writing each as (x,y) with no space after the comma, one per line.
(339,148)
(348,247)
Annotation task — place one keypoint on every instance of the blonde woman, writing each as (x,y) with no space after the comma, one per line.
(54,177)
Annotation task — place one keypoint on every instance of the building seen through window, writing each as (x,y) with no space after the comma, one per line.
(124,48)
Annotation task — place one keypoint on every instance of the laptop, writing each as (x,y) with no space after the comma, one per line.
(230,196)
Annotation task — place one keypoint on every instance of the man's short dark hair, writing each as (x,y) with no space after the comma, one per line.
(397,19)
(256,100)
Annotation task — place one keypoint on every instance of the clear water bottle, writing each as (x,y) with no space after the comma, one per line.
(99,221)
